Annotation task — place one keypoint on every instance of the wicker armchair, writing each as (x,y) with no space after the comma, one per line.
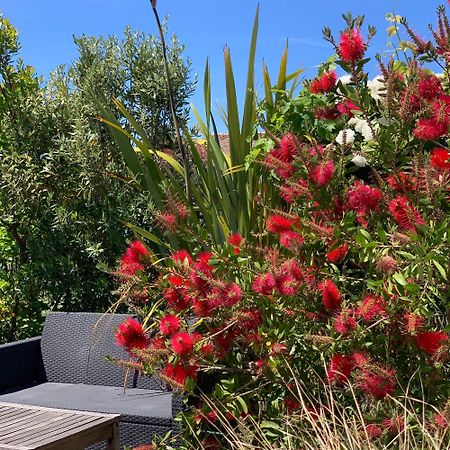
(66,368)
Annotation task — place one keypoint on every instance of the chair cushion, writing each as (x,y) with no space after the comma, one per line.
(134,405)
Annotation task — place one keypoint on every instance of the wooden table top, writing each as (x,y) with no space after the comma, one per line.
(25,427)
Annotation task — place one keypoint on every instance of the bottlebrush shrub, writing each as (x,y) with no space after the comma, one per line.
(348,281)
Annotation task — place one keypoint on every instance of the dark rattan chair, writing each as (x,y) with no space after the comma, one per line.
(66,368)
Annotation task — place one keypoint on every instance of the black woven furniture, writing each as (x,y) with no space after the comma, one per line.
(66,368)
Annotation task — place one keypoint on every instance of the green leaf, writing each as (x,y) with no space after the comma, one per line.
(440,269)
(399,278)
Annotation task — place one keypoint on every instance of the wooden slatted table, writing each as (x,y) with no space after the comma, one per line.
(32,427)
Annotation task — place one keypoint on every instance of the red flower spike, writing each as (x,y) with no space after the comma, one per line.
(431,341)
(277,224)
(371,307)
(290,267)
(440,159)
(290,240)
(363,199)
(264,284)
(181,257)
(235,239)
(232,294)
(179,373)
(323,173)
(177,298)
(131,261)
(377,381)
(338,254)
(430,129)
(430,87)
(339,369)
(169,325)
(287,284)
(345,321)
(325,83)
(412,323)
(404,213)
(331,297)
(182,343)
(346,107)
(373,431)
(351,46)
(130,335)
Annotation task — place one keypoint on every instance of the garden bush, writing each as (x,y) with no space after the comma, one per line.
(64,189)
(345,282)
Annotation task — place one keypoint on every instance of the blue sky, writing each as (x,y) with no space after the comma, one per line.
(205,27)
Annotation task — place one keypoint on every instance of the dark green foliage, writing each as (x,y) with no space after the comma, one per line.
(63,187)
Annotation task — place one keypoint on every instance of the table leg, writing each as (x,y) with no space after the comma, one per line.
(113,442)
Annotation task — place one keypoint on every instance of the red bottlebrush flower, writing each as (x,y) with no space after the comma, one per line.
(235,239)
(412,323)
(360,359)
(339,369)
(175,279)
(167,221)
(373,431)
(325,83)
(323,173)
(181,257)
(377,381)
(351,46)
(177,298)
(338,254)
(371,307)
(394,425)
(327,113)
(201,271)
(400,182)
(440,159)
(232,294)
(430,129)
(130,335)
(345,321)
(250,319)
(264,284)
(177,374)
(441,421)
(430,87)
(287,285)
(169,325)
(346,107)
(158,343)
(331,297)
(362,199)
(290,267)
(131,261)
(182,343)
(387,264)
(431,341)
(290,240)
(404,213)
(288,147)
(207,350)
(202,308)
(292,192)
(277,224)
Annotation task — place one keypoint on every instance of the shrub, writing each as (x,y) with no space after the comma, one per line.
(346,281)
(64,188)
